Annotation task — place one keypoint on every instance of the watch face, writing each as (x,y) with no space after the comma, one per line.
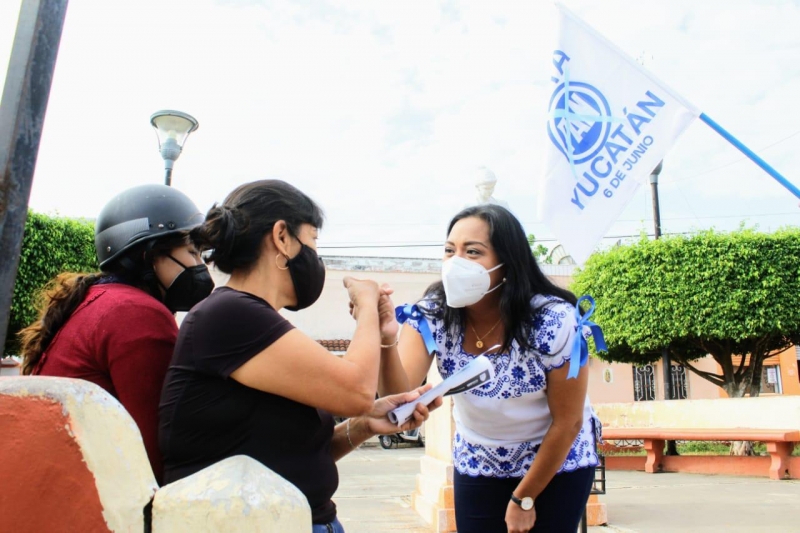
(527,503)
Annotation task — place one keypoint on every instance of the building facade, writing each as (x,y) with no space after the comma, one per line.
(329,321)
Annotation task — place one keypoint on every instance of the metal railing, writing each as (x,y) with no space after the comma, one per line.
(598,487)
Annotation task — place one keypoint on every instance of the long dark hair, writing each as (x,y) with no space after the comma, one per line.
(234,231)
(59,299)
(524,278)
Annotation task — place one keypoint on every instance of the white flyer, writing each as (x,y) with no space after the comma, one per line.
(478,372)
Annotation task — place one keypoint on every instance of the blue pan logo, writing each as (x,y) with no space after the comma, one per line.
(580,121)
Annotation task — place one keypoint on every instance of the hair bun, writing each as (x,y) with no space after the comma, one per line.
(218,233)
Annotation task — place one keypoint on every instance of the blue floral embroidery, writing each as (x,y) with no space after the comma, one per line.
(517,374)
(544,347)
(448,365)
(510,381)
(502,462)
(572,455)
(537,381)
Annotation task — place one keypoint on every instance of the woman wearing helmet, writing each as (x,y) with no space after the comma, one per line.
(116,328)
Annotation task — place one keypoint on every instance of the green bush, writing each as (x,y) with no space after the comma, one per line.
(723,294)
(51,245)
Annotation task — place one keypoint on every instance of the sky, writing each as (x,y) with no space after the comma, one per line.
(383,111)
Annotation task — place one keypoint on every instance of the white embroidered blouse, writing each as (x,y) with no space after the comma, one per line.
(500,426)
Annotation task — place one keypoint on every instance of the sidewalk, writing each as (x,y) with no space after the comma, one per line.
(375,487)
(662,503)
(375,495)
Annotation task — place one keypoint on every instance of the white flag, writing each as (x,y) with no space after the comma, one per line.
(610,123)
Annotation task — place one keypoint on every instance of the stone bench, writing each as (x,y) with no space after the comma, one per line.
(780,443)
(73,460)
(773,420)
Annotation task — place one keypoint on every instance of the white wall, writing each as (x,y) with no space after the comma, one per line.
(330,318)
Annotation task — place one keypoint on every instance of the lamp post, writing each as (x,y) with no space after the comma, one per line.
(654,189)
(669,393)
(172,129)
(665,359)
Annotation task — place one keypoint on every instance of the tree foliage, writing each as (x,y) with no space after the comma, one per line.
(51,245)
(711,293)
(540,251)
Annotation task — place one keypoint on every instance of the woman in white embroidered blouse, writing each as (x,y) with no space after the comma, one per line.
(525,443)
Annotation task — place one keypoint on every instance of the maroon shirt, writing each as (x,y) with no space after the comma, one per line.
(121,339)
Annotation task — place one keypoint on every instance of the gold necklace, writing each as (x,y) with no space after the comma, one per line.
(479,342)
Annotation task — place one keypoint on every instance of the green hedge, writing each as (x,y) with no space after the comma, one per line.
(51,245)
(723,294)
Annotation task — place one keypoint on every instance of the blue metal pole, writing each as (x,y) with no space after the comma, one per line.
(749,153)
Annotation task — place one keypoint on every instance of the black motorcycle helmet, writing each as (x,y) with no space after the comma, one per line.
(141,214)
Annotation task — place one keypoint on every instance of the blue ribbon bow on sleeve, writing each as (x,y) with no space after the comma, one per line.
(404,312)
(580,347)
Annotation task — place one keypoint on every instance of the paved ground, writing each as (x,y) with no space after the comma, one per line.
(665,503)
(376,485)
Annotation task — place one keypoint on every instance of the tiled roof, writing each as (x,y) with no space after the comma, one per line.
(335,345)
(412,265)
(381,264)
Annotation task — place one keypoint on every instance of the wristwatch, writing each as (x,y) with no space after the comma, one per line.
(526,503)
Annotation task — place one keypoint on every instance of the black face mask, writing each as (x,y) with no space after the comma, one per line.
(189,288)
(308,277)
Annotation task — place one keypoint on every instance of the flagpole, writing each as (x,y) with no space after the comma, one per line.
(750,154)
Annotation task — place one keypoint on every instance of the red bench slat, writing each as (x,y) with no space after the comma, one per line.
(763,435)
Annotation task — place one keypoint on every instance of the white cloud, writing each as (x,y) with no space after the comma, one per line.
(380,110)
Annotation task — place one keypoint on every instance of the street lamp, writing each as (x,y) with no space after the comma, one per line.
(654,192)
(666,362)
(172,128)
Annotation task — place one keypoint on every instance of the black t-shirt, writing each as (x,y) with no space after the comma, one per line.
(205,416)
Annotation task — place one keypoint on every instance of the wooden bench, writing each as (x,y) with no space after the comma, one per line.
(780,442)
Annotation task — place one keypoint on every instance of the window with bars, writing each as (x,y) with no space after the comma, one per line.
(680,388)
(644,383)
(771,379)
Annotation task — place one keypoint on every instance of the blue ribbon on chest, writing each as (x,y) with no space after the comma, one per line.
(404,312)
(580,347)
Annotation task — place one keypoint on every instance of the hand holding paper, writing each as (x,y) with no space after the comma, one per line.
(478,372)
(378,420)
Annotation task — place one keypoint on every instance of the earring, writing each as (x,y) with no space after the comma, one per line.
(277,265)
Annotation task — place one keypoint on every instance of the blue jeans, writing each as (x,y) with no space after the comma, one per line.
(481,502)
(333,527)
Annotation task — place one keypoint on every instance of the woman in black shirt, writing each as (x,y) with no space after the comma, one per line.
(243,380)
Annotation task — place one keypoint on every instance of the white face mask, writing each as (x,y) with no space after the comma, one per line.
(465,282)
